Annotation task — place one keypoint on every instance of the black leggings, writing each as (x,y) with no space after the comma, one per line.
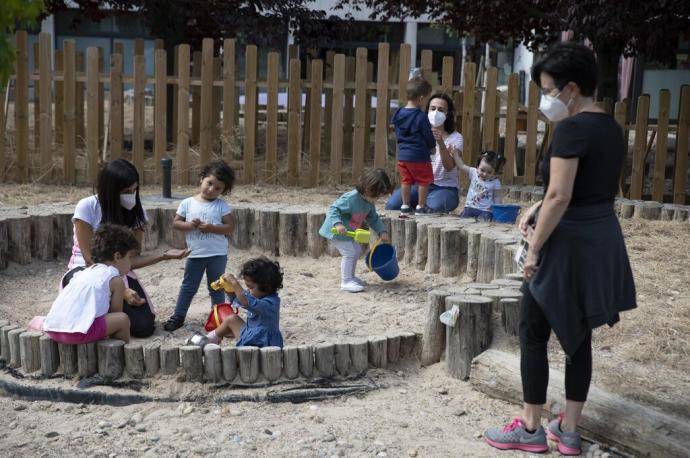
(534,364)
(141,319)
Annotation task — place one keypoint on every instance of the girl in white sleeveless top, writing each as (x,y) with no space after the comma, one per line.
(89,308)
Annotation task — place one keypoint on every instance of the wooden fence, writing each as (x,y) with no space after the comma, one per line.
(327,139)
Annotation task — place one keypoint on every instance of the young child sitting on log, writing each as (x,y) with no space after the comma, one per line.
(263,278)
(348,213)
(89,308)
(484,184)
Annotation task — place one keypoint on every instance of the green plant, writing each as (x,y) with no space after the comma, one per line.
(14,14)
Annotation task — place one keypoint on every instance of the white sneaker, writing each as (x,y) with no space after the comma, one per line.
(360,281)
(351,287)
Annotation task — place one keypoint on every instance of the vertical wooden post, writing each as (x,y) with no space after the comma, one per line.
(45,125)
(447,75)
(427,60)
(382,104)
(37,97)
(101,100)
(273,77)
(59,100)
(159,140)
(116,107)
(641,121)
(176,73)
(337,118)
(403,73)
(229,95)
(490,114)
(359,143)
(138,118)
(79,101)
(468,115)
(349,109)
(139,47)
(682,138)
(294,108)
(315,122)
(306,123)
(328,104)
(4,87)
(531,146)
(367,118)
(92,149)
(183,115)
(21,106)
(250,101)
(216,106)
(69,128)
(196,96)
(510,168)
(206,102)
(621,115)
(659,179)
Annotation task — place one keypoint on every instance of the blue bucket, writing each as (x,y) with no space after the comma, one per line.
(382,260)
(505,213)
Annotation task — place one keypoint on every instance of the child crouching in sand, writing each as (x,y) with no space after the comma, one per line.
(263,278)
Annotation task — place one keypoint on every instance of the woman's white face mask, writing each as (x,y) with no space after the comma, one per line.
(437,118)
(128,201)
(553,108)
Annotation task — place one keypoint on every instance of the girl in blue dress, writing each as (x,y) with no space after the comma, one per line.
(263,278)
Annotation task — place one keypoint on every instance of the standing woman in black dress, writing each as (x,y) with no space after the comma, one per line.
(577,272)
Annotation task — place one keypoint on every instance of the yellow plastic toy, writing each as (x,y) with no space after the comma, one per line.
(360,235)
(221,283)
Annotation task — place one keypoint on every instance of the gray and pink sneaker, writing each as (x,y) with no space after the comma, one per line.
(569,443)
(514,436)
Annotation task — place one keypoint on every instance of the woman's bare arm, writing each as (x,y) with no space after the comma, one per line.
(84,233)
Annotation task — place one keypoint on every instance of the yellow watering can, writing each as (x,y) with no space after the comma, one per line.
(360,235)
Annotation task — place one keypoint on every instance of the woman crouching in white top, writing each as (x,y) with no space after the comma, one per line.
(89,308)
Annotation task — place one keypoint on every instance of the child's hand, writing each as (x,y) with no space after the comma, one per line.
(176,254)
(195,223)
(233,282)
(205,227)
(340,228)
(132,298)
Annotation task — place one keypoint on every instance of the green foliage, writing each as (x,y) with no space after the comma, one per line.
(13,14)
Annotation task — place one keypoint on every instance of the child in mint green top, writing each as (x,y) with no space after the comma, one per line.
(348,213)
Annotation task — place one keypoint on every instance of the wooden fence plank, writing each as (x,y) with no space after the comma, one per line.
(382,104)
(638,163)
(427,59)
(250,101)
(680,178)
(659,179)
(183,115)
(367,112)
(160,101)
(206,102)
(359,143)
(510,169)
(59,101)
(531,146)
(328,104)
(116,107)
(46,106)
(403,73)
(349,109)
(273,77)
(229,96)
(468,116)
(294,108)
(447,75)
(101,98)
(196,97)
(92,145)
(139,45)
(621,115)
(37,98)
(21,106)
(176,73)
(337,118)
(138,113)
(489,132)
(315,122)
(217,104)
(69,132)
(4,87)
(79,100)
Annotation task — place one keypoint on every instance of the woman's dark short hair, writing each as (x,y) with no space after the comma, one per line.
(375,183)
(221,170)
(112,179)
(417,87)
(568,61)
(494,159)
(449,124)
(267,274)
(109,239)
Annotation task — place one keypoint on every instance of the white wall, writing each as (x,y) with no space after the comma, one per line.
(654,80)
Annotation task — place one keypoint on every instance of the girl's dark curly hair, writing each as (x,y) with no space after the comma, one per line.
(494,159)
(109,239)
(222,171)
(267,274)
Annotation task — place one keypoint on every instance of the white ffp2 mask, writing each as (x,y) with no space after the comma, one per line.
(437,118)
(553,108)
(128,201)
